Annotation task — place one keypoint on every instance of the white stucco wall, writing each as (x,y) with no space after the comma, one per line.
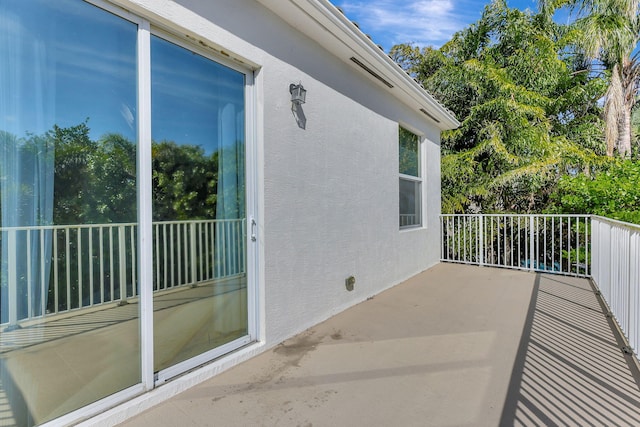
(328,195)
(331,190)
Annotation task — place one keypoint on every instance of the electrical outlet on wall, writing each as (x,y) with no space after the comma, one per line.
(350,283)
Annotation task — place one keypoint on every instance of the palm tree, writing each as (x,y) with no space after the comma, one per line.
(610,32)
(528,113)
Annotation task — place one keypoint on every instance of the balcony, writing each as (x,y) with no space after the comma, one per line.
(457,345)
(536,341)
(460,344)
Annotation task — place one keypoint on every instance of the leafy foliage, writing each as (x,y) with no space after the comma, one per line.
(612,192)
(609,34)
(528,110)
(74,154)
(184,182)
(409,163)
(95,181)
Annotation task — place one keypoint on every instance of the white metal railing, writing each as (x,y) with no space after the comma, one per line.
(616,272)
(550,243)
(55,269)
(605,250)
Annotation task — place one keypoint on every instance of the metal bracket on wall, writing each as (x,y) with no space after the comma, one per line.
(627,349)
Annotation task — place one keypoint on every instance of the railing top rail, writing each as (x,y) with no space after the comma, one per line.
(582,216)
(520,215)
(62,227)
(111,225)
(189,221)
(616,222)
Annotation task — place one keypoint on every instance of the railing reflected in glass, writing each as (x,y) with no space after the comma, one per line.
(95,264)
(198,125)
(68,96)
(69,257)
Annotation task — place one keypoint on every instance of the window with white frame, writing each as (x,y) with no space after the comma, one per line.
(410,179)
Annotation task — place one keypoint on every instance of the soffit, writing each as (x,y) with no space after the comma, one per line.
(325,24)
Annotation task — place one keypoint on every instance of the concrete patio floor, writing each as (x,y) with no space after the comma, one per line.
(456,345)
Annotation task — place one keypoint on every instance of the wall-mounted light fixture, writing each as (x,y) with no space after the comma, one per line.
(298,93)
(298,97)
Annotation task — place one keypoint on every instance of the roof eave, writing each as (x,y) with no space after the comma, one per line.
(324,23)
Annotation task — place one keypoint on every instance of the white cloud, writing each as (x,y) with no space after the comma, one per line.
(127,115)
(423,22)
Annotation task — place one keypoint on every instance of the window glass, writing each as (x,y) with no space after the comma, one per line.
(67,207)
(200,281)
(409,203)
(409,153)
(410,189)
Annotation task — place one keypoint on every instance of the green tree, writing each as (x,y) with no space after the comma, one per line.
(113,175)
(184,182)
(609,33)
(613,192)
(527,106)
(72,183)
(635,123)
(94,181)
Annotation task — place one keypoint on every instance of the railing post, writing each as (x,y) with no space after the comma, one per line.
(122,263)
(441,237)
(13,281)
(596,252)
(634,280)
(481,237)
(192,248)
(532,261)
(588,246)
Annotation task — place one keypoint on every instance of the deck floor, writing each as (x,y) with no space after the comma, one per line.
(454,346)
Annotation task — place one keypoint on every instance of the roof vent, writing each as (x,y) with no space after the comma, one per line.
(370,71)
(429,115)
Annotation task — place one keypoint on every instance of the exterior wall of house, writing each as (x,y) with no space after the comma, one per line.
(326,205)
(328,194)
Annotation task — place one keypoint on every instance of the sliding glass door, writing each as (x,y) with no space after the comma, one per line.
(199,204)
(68,178)
(123,186)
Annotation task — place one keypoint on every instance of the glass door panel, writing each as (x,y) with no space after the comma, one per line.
(199,226)
(69,324)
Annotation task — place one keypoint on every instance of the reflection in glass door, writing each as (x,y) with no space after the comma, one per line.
(199,208)
(69,318)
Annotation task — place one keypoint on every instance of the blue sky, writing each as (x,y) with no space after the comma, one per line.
(423,22)
(68,61)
